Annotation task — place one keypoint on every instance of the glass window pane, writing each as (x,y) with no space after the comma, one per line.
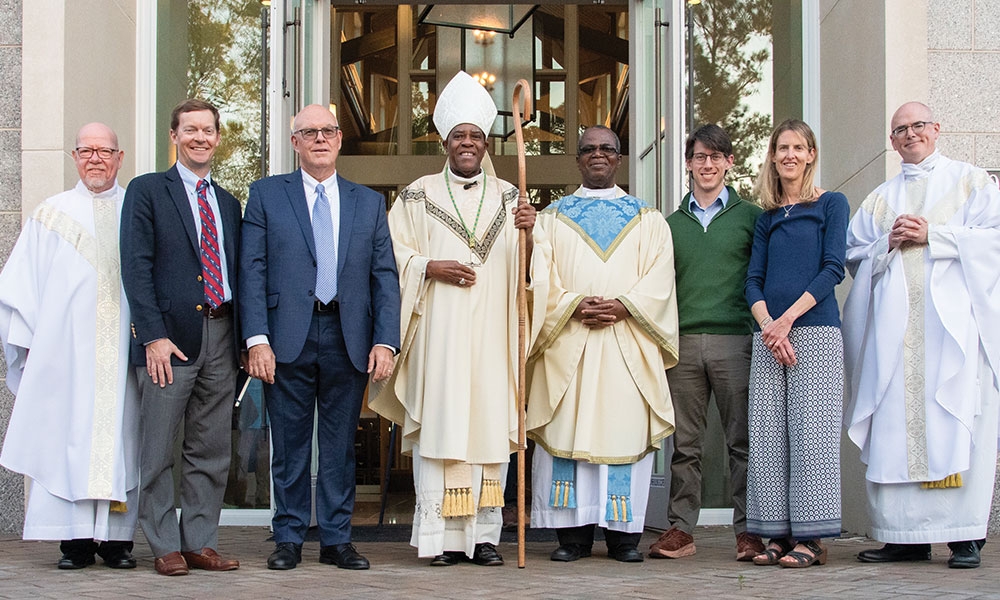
(224,68)
(424,48)
(249,484)
(211,50)
(426,140)
(549,35)
(546,134)
(604,71)
(732,48)
(368,95)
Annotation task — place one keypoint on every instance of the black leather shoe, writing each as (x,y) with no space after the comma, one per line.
(286,556)
(448,559)
(625,553)
(965,555)
(75,561)
(117,555)
(570,552)
(77,553)
(345,556)
(896,553)
(486,555)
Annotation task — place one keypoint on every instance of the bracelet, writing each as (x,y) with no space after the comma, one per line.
(764,323)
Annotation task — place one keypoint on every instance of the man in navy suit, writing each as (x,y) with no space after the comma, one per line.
(180,240)
(319,307)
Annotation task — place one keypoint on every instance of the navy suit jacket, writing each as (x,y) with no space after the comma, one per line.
(278,269)
(161,263)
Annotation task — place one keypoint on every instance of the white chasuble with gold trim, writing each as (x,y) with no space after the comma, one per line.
(74,426)
(454,387)
(918,318)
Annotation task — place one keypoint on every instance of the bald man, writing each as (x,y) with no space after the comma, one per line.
(73,431)
(922,337)
(320,311)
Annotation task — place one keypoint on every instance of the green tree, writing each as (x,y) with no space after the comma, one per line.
(423,120)
(224,68)
(728,68)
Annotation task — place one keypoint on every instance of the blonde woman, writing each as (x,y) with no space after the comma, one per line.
(797,365)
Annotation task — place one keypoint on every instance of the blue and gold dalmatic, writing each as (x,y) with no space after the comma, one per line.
(602,223)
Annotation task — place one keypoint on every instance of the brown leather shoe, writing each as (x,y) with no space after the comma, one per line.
(209,560)
(748,546)
(673,543)
(171,564)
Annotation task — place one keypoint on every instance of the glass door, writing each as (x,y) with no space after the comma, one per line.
(380,67)
(213,50)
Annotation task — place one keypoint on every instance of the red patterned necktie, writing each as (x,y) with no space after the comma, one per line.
(211,264)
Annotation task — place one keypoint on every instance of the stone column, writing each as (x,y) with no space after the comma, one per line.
(11,484)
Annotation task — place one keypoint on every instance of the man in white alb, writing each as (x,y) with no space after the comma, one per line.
(64,324)
(922,336)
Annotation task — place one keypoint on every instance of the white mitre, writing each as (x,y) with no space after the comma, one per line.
(464,100)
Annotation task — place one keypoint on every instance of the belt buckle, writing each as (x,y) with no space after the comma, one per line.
(217,313)
(329,307)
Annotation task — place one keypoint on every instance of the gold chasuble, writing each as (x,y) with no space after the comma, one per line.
(600,395)
(454,386)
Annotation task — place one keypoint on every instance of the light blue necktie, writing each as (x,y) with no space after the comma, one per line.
(326,248)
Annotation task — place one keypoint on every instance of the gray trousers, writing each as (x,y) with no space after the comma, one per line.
(708,363)
(201,397)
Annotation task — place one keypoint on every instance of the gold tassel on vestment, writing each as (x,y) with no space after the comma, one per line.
(447,503)
(491,492)
(614,508)
(624,509)
(458,503)
(952,481)
(457,490)
(118,507)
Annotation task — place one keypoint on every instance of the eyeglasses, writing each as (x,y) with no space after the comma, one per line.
(918,127)
(309,133)
(717,158)
(604,148)
(104,153)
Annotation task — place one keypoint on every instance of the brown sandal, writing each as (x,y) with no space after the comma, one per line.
(776,548)
(797,559)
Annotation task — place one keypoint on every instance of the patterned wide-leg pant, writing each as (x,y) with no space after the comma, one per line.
(793,473)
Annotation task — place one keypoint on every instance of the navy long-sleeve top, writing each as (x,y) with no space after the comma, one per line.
(801,250)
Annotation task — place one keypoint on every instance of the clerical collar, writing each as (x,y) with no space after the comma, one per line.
(912,172)
(474,180)
(108,193)
(605,194)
